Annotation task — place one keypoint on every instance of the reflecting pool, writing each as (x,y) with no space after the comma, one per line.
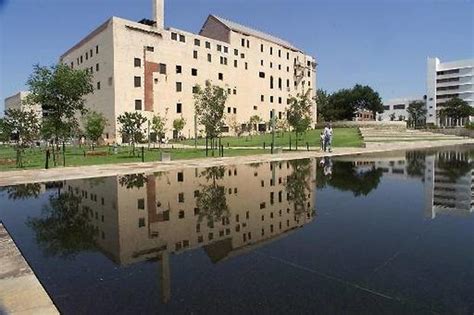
(375,234)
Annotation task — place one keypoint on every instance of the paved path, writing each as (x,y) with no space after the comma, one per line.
(20,290)
(55,174)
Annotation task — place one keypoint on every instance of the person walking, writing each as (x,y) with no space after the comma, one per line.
(328,133)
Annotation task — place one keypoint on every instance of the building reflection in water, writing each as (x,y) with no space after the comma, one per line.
(447,175)
(224,210)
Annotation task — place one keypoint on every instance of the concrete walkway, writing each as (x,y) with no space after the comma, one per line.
(57,174)
(20,290)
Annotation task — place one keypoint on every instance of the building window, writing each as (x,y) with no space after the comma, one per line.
(386,107)
(236,52)
(179,69)
(98,85)
(195,54)
(137,62)
(228,110)
(208,45)
(235,63)
(219,48)
(138,104)
(235,110)
(271,82)
(271,99)
(261,47)
(221,76)
(243,42)
(141,204)
(150,48)
(223,60)
(162,68)
(87,56)
(182,38)
(179,108)
(81,59)
(262,98)
(137,81)
(279,100)
(209,57)
(246,66)
(279,83)
(255,108)
(174,36)
(97,49)
(271,50)
(235,91)
(96,67)
(197,42)
(181,197)
(399,106)
(141,222)
(179,86)
(261,74)
(194,72)
(242,55)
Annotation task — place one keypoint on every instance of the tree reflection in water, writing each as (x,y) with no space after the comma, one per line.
(132,181)
(455,164)
(298,186)
(416,163)
(21,192)
(347,176)
(65,227)
(211,201)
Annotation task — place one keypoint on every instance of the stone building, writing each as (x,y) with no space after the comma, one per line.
(146,67)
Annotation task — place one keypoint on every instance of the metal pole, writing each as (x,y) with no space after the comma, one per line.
(143,154)
(149,139)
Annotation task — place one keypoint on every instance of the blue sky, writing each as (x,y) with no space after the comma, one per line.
(382,43)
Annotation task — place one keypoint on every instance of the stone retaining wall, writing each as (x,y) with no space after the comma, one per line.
(392,125)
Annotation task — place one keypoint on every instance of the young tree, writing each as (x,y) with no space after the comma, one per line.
(392,116)
(158,126)
(131,127)
(417,112)
(210,104)
(94,125)
(254,121)
(60,90)
(24,126)
(178,125)
(299,113)
(4,137)
(456,109)
(234,125)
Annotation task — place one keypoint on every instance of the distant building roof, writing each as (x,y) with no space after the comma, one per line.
(236,27)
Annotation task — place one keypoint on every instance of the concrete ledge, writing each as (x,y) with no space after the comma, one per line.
(20,290)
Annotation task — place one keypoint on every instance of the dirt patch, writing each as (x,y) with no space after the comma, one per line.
(7,161)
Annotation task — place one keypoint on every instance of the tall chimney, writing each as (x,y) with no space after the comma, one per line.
(159,12)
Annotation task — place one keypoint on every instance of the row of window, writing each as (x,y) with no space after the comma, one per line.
(447,72)
(447,88)
(447,80)
(88,54)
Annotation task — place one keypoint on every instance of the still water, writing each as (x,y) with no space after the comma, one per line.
(375,234)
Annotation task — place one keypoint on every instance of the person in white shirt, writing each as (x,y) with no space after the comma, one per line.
(328,132)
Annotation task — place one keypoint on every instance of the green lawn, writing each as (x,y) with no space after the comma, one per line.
(35,158)
(343,137)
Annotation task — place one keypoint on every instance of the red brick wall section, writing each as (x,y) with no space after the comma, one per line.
(151,199)
(150,67)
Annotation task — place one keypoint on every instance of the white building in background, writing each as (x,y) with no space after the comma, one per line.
(446,81)
(396,109)
(16,101)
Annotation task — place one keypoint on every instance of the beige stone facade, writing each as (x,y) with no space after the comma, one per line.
(153,216)
(17,101)
(145,67)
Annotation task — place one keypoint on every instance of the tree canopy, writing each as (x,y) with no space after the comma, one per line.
(94,125)
(210,104)
(60,90)
(178,125)
(457,109)
(299,112)
(24,127)
(417,112)
(344,104)
(131,127)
